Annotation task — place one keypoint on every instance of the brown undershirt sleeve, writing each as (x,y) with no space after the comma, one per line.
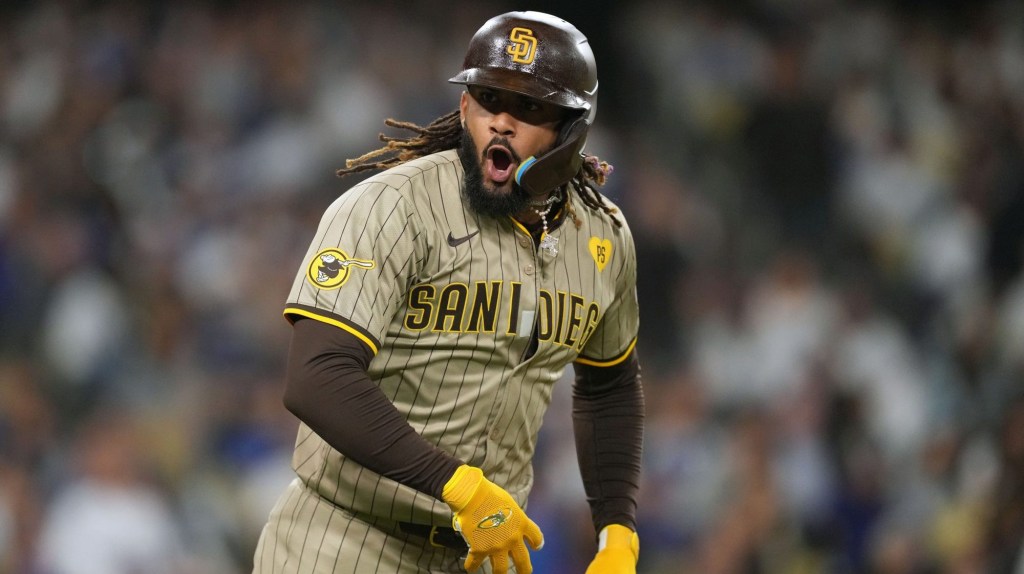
(327,388)
(608,415)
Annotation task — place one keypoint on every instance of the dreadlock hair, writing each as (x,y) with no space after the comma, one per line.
(594,171)
(439,135)
(444,133)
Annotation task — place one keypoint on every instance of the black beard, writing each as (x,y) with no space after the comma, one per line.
(482,198)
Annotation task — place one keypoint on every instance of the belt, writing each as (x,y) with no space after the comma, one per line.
(439,536)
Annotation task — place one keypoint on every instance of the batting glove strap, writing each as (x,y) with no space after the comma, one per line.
(491,522)
(461,487)
(618,549)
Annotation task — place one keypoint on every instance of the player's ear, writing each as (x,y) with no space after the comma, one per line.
(463,104)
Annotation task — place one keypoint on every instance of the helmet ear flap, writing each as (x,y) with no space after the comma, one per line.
(539,175)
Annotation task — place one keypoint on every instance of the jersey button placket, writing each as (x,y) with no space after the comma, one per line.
(526,242)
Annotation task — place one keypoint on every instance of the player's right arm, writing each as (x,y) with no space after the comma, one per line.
(351,284)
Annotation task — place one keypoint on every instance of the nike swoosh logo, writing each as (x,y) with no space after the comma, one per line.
(456,242)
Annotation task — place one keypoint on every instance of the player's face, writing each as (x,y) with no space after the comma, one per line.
(501,129)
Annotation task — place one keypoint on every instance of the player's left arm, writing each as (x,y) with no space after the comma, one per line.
(608,422)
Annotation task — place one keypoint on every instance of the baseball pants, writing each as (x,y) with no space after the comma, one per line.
(307,535)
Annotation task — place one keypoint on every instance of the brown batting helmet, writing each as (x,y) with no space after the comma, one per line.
(547,58)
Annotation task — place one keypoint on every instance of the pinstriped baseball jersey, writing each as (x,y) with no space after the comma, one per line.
(448,300)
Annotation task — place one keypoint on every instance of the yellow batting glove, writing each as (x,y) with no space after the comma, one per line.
(618,549)
(490,521)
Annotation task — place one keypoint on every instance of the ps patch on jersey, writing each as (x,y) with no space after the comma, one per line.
(331,267)
(601,251)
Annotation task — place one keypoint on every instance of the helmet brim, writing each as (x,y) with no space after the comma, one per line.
(521,83)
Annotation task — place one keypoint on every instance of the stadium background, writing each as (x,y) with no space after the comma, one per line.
(828,201)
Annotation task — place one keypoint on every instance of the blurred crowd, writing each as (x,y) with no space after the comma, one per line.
(828,205)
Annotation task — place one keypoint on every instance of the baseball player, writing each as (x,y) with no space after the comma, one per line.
(438,304)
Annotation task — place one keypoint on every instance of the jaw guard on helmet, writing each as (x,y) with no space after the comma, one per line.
(548,59)
(558,166)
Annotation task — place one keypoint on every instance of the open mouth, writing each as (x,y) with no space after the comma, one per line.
(500,164)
